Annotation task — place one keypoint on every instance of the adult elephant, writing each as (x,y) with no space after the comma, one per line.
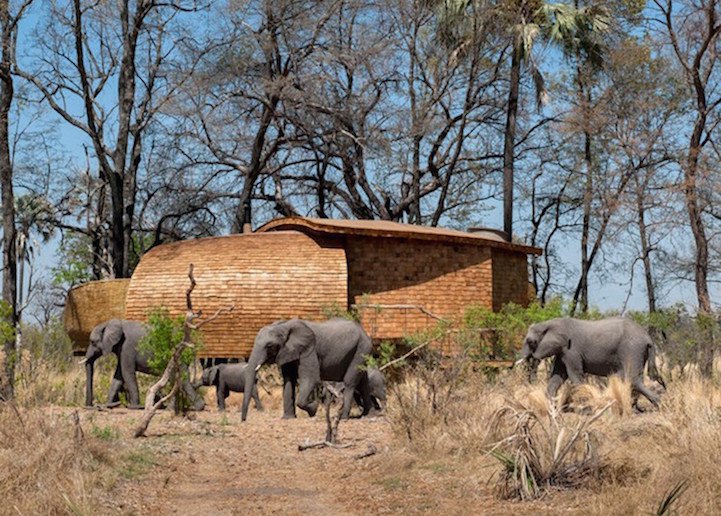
(121,337)
(609,346)
(307,354)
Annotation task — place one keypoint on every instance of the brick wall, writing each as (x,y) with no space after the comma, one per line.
(442,278)
(510,278)
(267,276)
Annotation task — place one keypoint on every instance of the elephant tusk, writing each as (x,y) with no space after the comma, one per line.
(82,361)
(519,362)
(257,368)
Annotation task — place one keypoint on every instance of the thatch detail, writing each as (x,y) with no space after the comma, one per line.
(266,276)
(90,304)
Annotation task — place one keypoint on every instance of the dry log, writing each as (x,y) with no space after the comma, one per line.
(372,450)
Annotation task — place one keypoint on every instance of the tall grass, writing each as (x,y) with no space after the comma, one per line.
(597,450)
(48,465)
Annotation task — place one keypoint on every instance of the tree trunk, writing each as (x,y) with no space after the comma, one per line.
(9,294)
(645,246)
(581,293)
(706,353)
(510,138)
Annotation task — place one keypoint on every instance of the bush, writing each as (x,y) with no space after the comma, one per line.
(164,334)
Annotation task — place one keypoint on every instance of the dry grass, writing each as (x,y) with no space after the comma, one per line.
(616,461)
(47,464)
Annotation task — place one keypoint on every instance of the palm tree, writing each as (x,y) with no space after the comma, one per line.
(576,30)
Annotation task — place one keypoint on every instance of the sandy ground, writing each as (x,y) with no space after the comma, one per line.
(215,465)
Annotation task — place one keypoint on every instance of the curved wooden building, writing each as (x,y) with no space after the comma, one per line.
(267,277)
(401,278)
(90,304)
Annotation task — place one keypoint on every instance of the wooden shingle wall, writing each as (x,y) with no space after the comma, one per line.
(442,278)
(90,304)
(267,276)
(510,278)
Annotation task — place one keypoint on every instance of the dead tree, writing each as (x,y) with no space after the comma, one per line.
(331,395)
(173,370)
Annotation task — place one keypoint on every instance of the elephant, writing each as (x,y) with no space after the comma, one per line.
(122,337)
(377,389)
(226,378)
(609,346)
(376,386)
(309,353)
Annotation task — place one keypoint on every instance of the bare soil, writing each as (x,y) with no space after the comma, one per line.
(214,464)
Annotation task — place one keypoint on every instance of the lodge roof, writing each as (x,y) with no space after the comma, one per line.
(388,229)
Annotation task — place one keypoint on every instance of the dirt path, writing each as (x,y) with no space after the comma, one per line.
(257,467)
(215,465)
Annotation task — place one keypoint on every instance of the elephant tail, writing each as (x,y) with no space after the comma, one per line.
(653,372)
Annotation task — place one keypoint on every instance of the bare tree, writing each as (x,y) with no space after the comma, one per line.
(87,48)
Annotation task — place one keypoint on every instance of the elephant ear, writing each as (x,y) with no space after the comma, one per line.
(299,342)
(553,341)
(112,336)
(97,334)
(213,380)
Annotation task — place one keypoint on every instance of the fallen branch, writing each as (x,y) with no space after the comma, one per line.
(322,444)
(372,450)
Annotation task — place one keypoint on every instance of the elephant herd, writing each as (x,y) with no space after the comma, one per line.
(310,353)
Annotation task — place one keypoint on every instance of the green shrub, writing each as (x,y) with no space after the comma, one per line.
(164,334)
(486,334)
(386,352)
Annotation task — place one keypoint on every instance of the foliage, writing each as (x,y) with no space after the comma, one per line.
(497,335)
(7,331)
(386,352)
(334,310)
(74,264)
(164,334)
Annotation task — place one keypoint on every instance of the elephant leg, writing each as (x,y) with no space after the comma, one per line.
(355,379)
(115,386)
(574,367)
(256,399)
(558,376)
(131,388)
(639,386)
(290,380)
(221,392)
(305,392)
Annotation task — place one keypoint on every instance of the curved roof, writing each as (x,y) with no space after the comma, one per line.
(388,229)
(266,277)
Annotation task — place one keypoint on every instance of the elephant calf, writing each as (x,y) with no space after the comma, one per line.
(227,378)
(377,387)
(610,346)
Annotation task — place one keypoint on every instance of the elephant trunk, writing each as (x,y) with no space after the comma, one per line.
(257,359)
(526,353)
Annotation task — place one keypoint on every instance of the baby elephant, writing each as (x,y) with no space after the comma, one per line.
(610,346)
(377,386)
(226,378)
